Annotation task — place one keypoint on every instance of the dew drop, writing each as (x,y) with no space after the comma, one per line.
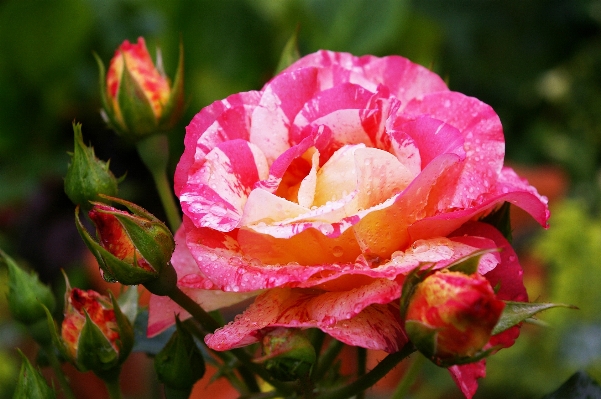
(337,251)
(329,321)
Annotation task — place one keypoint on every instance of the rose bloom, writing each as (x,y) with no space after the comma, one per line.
(320,192)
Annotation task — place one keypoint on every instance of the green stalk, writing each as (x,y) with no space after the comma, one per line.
(209,324)
(154,152)
(172,393)
(361,367)
(402,389)
(326,359)
(58,372)
(369,379)
(111,380)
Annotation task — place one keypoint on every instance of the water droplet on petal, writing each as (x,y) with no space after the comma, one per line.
(337,251)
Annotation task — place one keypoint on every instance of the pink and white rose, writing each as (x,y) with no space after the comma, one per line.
(319,193)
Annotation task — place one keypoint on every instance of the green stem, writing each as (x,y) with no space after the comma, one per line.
(111,380)
(402,389)
(369,379)
(209,324)
(154,152)
(361,367)
(58,372)
(172,393)
(326,359)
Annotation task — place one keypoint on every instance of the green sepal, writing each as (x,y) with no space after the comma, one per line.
(55,336)
(469,264)
(422,336)
(94,351)
(136,109)
(516,312)
(174,107)
(415,276)
(180,363)
(500,219)
(31,384)
(114,269)
(128,303)
(290,53)
(288,354)
(148,234)
(126,330)
(107,106)
(87,176)
(27,296)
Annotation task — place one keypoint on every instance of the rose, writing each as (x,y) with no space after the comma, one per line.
(136,95)
(451,315)
(325,188)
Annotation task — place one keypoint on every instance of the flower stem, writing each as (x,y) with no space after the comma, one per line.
(172,393)
(369,379)
(361,367)
(58,372)
(409,378)
(154,152)
(111,380)
(326,359)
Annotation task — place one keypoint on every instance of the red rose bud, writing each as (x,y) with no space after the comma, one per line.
(451,316)
(87,176)
(136,95)
(27,296)
(132,248)
(287,354)
(95,334)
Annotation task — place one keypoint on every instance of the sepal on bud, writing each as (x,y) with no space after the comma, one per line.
(95,334)
(180,363)
(27,296)
(133,248)
(287,354)
(136,97)
(449,315)
(87,176)
(31,384)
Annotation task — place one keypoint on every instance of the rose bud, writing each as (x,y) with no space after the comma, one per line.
(95,334)
(87,176)
(27,296)
(180,363)
(31,383)
(132,248)
(136,95)
(287,354)
(451,315)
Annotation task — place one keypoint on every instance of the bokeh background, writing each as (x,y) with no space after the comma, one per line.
(536,62)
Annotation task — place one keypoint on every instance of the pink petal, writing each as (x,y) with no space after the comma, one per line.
(215,194)
(466,376)
(213,125)
(340,314)
(484,142)
(194,284)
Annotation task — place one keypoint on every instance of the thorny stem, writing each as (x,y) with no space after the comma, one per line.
(326,359)
(361,367)
(369,379)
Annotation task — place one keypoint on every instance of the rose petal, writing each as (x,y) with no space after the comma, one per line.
(466,376)
(337,313)
(214,195)
(213,125)
(483,134)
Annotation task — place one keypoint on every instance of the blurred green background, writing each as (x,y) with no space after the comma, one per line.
(537,62)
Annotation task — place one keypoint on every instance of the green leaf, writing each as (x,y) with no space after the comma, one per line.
(516,312)
(31,384)
(289,54)
(500,219)
(578,386)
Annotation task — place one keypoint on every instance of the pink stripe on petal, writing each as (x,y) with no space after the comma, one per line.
(214,196)
(201,122)
(483,134)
